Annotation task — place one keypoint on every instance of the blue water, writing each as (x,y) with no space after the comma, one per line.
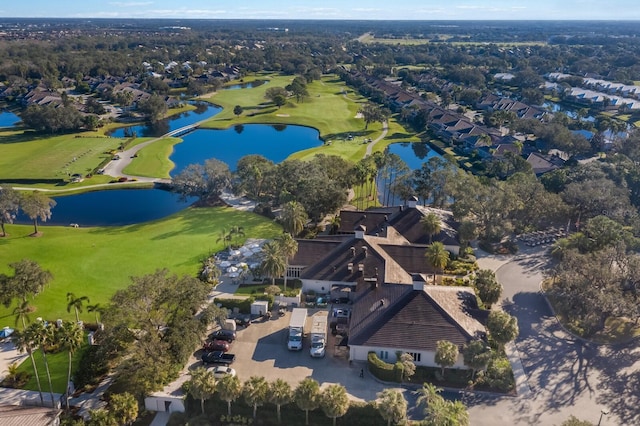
(414,154)
(275,142)
(8,119)
(203,111)
(250,85)
(113,207)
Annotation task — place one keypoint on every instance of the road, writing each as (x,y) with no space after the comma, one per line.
(370,145)
(567,375)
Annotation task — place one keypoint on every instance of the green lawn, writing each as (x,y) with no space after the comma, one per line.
(25,155)
(95,262)
(58,365)
(153,160)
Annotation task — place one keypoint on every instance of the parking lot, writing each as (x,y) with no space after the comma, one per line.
(261,350)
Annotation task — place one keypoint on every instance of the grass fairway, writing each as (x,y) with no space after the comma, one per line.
(27,156)
(95,262)
(153,160)
(58,365)
(330,107)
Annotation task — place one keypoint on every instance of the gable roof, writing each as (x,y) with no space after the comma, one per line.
(15,415)
(397,316)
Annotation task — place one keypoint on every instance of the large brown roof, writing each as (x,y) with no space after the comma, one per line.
(13,415)
(397,316)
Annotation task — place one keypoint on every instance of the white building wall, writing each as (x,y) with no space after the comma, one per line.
(427,358)
(164,403)
(321,287)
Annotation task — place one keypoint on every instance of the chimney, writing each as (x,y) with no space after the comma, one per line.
(360,231)
(353,251)
(361,267)
(412,202)
(365,250)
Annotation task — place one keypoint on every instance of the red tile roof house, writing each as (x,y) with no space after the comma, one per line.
(379,258)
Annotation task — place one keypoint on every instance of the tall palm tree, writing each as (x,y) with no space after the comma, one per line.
(293,217)
(288,247)
(431,225)
(255,391)
(224,237)
(273,262)
(334,402)
(392,406)
(70,337)
(97,309)
(280,394)
(437,256)
(24,342)
(307,396)
(76,303)
(202,385)
(229,389)
(22,313)
(237,232)
(43,336)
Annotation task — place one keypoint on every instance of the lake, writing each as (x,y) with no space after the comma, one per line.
(250,85)
(413,154)
(8,119)
(203,111)
(275,142)
(114,207)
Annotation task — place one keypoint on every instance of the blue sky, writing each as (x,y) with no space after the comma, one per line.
(326,9)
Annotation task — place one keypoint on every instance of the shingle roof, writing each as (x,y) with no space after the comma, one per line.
(397,316)
(12,415)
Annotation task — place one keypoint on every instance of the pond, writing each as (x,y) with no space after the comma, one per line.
(113,207)
(203,111)
(413,154)
(8,119)
(249,85)
(571,113)
(275,142)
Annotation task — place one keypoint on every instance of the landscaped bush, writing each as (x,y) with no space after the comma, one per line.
(460,267)
(243,305)
(459,282)
(499,375)
(382,370)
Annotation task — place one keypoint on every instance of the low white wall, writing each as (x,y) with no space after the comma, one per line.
(321,287)
(164,403)
(427,358)
(288,300)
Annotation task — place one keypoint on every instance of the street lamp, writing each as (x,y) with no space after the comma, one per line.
(603,412)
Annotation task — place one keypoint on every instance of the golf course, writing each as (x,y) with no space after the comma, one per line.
(96,262)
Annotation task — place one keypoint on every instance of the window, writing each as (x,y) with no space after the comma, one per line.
(384,355)
(415,355)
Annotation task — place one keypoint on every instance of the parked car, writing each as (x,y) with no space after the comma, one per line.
(341,313)
(228,335)
(243,322)
(217,357)
(221,371)
(216,345)
(341,301)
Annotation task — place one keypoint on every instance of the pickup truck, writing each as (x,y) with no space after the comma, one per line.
(218,357)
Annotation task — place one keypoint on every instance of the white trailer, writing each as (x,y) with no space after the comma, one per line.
(296,329)
(318,336)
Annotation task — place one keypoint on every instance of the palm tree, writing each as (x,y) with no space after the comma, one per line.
(70,337)
(97,309)
(307,396)
(229,389)
(280,394)
(76,303)
(334,402)
(24,342)
(224,237)
(255,392)
(431,224)
(446,354)
(334,225)
(392,406)
(202,385)
(428,394)
(288,247)
(273,262)
(22,314)
(437,256)
(43,336)
(238,231)
(293,217)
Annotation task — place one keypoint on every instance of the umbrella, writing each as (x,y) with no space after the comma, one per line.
(6,332)
(241,265)
(233,275)
(234,252)
(232,269)
(225,263)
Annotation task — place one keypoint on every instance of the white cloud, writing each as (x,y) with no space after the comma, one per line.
(130,3)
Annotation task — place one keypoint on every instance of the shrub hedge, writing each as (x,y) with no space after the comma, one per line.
(383,370)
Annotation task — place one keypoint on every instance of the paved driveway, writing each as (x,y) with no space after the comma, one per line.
(8,355)
(566,375)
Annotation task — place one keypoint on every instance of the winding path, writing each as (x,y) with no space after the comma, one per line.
(370,145)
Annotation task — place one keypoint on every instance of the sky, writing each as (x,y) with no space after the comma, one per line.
(328,9)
